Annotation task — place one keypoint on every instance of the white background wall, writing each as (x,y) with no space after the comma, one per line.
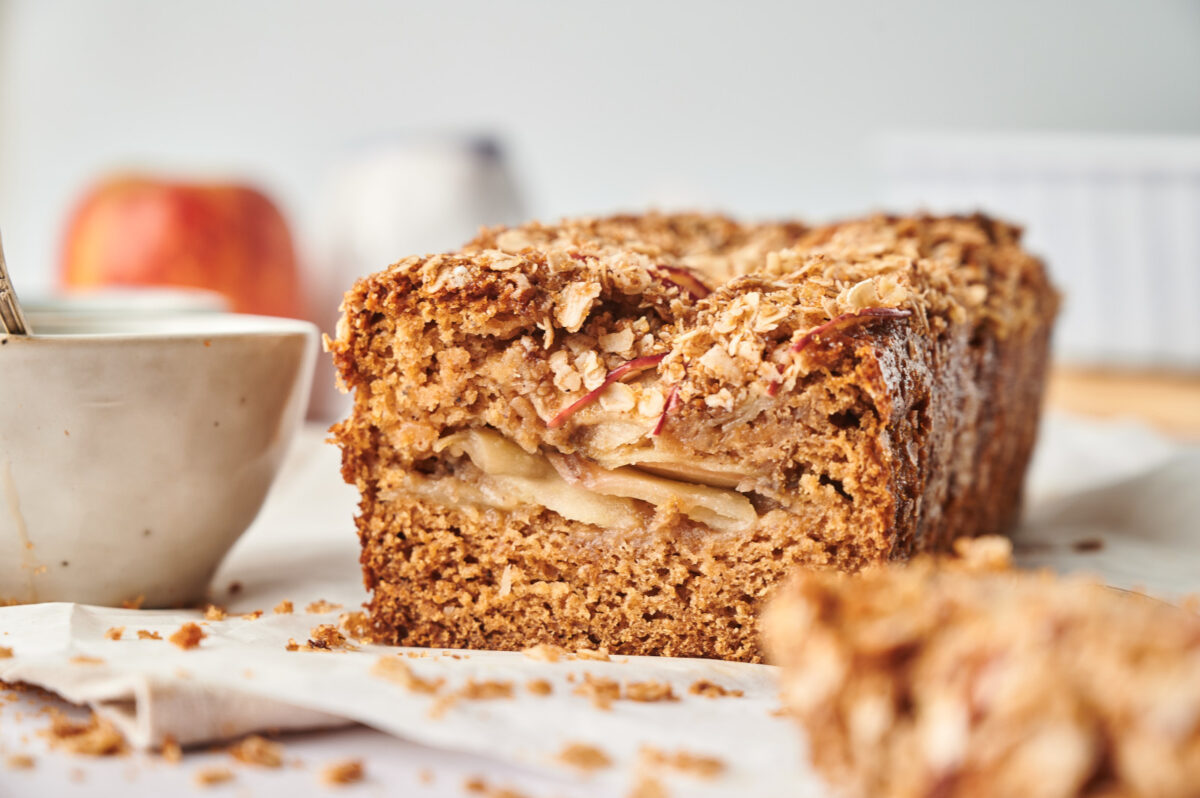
(760,108)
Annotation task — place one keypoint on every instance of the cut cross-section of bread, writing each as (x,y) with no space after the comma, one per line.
(623,432)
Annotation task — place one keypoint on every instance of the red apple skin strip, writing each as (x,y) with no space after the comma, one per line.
(672,400)
(864,314)
(686,280)
(628,369)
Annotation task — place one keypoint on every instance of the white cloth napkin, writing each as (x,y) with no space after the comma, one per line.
(1110,498)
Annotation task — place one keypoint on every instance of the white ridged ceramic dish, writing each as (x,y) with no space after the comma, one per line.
(134,452)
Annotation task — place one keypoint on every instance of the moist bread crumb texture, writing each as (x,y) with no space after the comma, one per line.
(624,432)
(958,677)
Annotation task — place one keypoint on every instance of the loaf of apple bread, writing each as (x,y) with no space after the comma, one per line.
(960,678)
(623,432)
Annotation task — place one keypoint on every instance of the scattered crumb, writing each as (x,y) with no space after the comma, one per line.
(600,655)
(96,737)
(252,616)
(5,652)
(83,659)
(346,772)
(600,690)
(697,765)
(471,691)
(171,752)
(292,645)
(584,757)
(134,603)
(1088,545)
(425,776)
(19,762)
(320,606)
(326,637)
(143,634)
(649,691)
(212,776)
(284,608)
(647,787)
(713,690)
(357,625)
(188,636)
(485,690)
(257,750)
(475,784)
(397,671)
(545,652)
(114,632)
(539,687)
(214,613)
(234,588)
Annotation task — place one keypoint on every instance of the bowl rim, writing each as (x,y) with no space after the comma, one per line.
(167,326)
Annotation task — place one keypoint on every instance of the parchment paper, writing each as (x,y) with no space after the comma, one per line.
(1110,498)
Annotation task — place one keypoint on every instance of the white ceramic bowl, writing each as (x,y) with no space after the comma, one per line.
(134,452)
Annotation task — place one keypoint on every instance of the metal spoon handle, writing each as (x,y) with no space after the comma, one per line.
(11,316)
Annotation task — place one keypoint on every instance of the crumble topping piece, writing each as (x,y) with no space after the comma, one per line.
(171,750)
(145,634)
(956,677)
(326,637)
(257,750)
(134,603)
(600,655)
(19,762)
(212,776)
(478,786)
(709,689)
(696,765)
(95,737)
(214,613)
(397,671)
(487,690)
(649,787)
(347,771)
(649,691)
(600,690)
(584,757)
(539,687)
(187,636)
(83,659)
(284,608)
(292,645)
(545,652)
(252,616)
(6,652)
(321,606)
(114,632)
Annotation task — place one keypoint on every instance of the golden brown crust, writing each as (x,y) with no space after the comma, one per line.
(871,387)
(956,678)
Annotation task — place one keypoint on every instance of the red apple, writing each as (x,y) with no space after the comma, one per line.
(227,238)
